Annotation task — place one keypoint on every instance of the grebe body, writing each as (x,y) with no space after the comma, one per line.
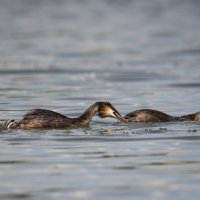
(148,115)
(47,119)
(155,116)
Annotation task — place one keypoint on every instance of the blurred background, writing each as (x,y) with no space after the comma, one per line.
(133,53)
(105,34)
(64,55)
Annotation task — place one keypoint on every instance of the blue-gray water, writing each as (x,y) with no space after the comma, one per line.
(64,56)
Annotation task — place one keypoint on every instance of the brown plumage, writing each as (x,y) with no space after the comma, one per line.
(155,116)
(47,119)
(189,117)
(147,115)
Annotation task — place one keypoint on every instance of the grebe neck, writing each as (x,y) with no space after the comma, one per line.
(86,117)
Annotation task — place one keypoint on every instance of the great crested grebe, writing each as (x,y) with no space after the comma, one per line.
(155,116)
(47,119)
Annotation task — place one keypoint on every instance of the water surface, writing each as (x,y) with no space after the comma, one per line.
(66,55)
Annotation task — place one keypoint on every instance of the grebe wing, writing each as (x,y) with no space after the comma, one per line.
(42,113)
(147,115)
(42,119)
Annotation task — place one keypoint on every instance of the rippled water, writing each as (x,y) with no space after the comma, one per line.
(64,56)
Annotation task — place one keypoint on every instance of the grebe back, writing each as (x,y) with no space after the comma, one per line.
(147,115)
(155,116)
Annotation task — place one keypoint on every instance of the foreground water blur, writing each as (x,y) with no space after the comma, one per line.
(64,56)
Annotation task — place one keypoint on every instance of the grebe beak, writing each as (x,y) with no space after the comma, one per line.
(107,110)
(119,117)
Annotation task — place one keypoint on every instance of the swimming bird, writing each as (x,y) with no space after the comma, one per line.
(155,116)
(47,119)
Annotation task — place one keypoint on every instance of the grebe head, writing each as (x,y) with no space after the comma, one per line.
(10,124)
(106,109)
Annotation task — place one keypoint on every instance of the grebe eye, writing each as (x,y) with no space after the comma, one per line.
(114,113)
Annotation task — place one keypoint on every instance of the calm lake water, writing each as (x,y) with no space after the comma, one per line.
(66,55)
